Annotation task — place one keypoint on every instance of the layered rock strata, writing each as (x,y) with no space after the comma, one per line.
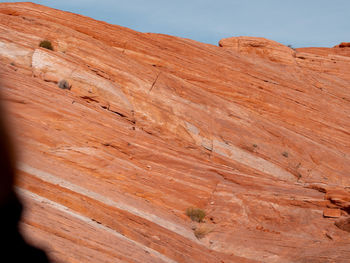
(252,132)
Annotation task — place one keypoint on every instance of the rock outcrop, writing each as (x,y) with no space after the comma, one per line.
(343,44)
(260,47)
(252,132)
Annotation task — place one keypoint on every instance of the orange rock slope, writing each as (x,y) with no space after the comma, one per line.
(254,133)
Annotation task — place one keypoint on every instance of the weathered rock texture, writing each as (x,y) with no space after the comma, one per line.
(261,47)
(253,132)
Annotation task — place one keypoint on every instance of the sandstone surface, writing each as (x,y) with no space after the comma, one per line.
(252,132)
(261,47)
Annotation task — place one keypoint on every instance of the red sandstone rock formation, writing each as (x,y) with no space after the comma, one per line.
(343,44)
(261,47)
(254,133)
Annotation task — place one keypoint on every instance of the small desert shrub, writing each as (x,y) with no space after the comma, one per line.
(63,84)
(201,231)
(46,44)
(195,214)
(285,154)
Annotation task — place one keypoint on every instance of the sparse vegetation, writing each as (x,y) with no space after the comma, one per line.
(46,44)
(200,228)
(255,145)
(63,84)
(285,154)
(201,231)
(195,214)
(290,46)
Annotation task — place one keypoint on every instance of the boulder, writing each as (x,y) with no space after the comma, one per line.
(329,212)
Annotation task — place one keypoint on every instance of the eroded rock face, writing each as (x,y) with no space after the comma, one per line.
(253,133)
(343,45)
(343,224)
(261,47)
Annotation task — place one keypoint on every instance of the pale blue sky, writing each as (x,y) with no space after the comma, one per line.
(300,23)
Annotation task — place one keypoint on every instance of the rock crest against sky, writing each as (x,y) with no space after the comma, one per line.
(299,23)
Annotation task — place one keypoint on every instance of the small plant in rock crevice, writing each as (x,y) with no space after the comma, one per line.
(195,214)
(63,84)
(290,46)
(285,154)
(46,44)
(202,230)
